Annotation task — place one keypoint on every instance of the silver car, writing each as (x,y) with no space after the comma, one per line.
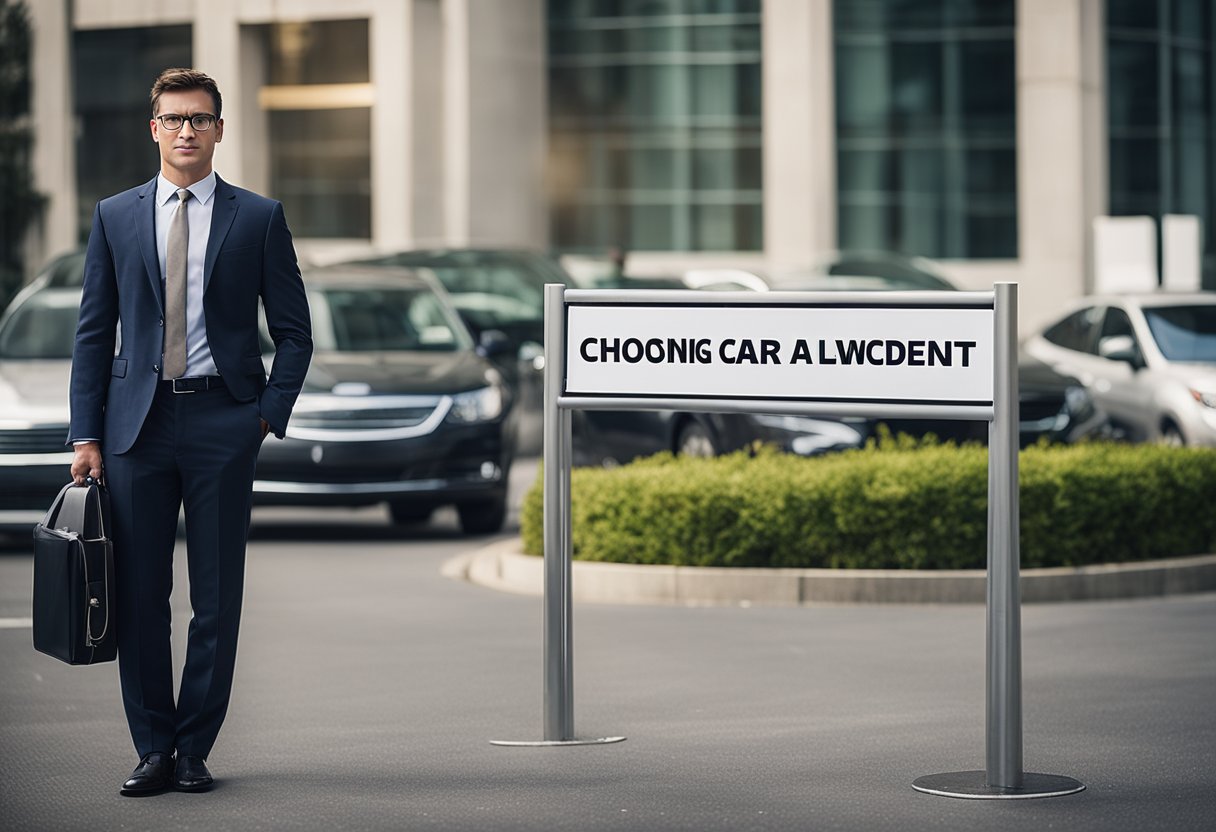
(36,335)
(1148,360)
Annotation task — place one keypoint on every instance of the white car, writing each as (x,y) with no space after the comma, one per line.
(1148,360)
(36,336)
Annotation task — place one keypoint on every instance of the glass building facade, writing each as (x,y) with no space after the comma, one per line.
(113,73)
(898,125)
(654,124)
(926,127)
(1160,109)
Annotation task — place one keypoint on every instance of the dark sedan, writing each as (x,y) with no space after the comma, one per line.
(401,405)
(501,290)
(1052,406)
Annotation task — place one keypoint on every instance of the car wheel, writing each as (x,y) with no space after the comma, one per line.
(483,516)
(1171,436)
(410,514)
(694,440)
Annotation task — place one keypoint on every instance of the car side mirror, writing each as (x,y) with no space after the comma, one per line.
(1121,348)
(492,343)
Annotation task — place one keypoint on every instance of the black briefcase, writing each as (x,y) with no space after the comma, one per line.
(74,578)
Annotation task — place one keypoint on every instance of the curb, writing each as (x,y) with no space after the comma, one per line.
(501,566)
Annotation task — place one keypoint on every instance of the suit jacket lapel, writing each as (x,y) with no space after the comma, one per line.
(222,215)
(145,233)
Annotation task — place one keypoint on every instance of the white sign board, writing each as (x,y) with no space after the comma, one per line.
(1125,254)
(788,352)
(1181,253)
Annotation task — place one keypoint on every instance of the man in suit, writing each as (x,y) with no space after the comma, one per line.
(176,415)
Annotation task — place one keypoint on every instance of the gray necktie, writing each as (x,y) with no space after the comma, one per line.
(177,252)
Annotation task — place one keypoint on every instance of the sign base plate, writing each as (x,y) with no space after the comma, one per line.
(973,785)
(547,743)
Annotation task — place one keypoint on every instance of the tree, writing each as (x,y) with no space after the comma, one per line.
(19,202)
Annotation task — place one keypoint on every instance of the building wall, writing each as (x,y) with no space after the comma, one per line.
(457,131)
(459,127)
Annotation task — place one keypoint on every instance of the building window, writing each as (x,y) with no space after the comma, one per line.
(925,126)
(113,72)
(1160,112)
(317,100)
(654,124)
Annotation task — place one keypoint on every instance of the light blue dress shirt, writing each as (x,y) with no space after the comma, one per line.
(198,214)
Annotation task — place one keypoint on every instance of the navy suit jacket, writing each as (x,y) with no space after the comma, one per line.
(249,255)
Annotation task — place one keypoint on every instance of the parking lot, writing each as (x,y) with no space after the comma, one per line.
(369,686)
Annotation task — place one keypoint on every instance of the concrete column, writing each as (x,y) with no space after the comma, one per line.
(456,127)
(495,122)
(217,52)
(1062,149)
(799,131)
(389,33)
(251,123)
(427,174)
(54,154)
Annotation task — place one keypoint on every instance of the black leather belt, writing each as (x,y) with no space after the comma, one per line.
(195,384)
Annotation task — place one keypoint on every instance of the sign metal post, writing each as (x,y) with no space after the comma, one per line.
(1003,776)
(559,607)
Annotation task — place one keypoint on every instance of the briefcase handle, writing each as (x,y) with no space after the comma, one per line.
(69,508)
(52,513)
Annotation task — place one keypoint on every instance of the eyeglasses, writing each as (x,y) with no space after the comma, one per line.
(201,122)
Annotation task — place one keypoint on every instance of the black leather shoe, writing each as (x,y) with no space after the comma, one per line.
(153,774)
(192,775)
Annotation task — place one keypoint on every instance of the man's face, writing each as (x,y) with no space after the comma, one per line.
(186,151)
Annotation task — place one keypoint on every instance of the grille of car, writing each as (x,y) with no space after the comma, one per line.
(363,419)
(296,472)
(1037,409)
(34,440)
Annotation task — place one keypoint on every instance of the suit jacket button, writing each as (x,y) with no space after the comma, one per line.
(156,368)
(161,322)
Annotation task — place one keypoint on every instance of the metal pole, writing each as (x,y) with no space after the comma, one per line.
(559,646)
(558,700)
(1003,778)
(1004,687)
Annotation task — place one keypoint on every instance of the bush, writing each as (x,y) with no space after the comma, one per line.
(901,504)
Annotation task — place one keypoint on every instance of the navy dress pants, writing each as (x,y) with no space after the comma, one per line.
(196,449)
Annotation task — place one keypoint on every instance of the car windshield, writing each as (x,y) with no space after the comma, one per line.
(44,326)
(380,319)
(67,271)
(492,294)
(898,272)
(1184,333)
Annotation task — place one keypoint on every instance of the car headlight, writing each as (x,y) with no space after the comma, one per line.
(1079,402)
(1207,398)
(480,405)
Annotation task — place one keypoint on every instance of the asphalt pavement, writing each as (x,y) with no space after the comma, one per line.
(369,687)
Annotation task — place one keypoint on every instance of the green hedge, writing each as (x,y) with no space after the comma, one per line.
(903,505)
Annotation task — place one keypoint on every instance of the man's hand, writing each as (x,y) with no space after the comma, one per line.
(87,462)
(265,427)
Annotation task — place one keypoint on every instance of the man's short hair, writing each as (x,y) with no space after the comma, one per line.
(179,79)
